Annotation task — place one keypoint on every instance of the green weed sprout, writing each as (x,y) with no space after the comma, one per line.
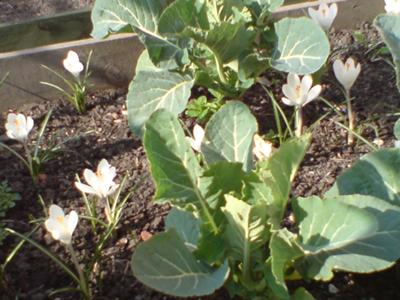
(78,87)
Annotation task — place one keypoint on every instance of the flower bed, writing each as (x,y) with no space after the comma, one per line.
(102,132)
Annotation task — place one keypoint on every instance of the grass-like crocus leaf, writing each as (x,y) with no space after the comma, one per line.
(165,264)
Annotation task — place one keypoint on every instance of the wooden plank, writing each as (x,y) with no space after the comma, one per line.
(115,58)
(350,12)
(113,65)
(45,31)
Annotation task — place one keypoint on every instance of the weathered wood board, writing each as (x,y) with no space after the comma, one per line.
(114,59)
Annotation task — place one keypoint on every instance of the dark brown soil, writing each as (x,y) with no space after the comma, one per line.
(103,133)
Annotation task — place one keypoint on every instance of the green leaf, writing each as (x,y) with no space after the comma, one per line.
(165,264)
(261,6)
(302,47)
(279,171)
(221,178)
(389,29)
(229,135)
(376,174)
(143,16)
(186,225)
(349,233)
(226,40)
(182,14)
(256,191)
(283,251)
(144,63)
(153,90)
(247,230)
(173,164)
(302,294)
(396,129)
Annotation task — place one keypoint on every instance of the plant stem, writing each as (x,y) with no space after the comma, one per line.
(82,278)
(299,121)
(220,69)
(350,136)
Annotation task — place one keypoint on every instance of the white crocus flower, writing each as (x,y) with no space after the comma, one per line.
(100,183)
(61,226)
(198,135)
(18,126)
(346,73)
(392,6)
(299,93)
(72,64)
(324,15)
(262,149)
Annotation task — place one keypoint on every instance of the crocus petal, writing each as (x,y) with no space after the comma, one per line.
(194,144)
(85,188)
(198,133)
(333,10)
(55,211)
(52,226)
(29,124)
(288,91)
(91,179)
(314,93)
(71,221)
(313,13)
(288,101)
(293,80)
(306,83)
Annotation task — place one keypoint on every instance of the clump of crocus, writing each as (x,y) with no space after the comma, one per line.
(324,15)
(298,93)
(392,7)
(262,149)
(18,127)
(78,87)
(346,73)
(197,139)
(100,184)
(61,227)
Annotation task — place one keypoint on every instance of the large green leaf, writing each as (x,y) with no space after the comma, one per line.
(226,40)
(247,230)
(182,14)
(350,233)
(279,171)
(143,16)
(284,250)
(389,29)
(219,179)
(144,63)
(302,47)
(186,225)
(229,135)
(259,7)
(165,264)
(173,164)
(153,90)
(375,174)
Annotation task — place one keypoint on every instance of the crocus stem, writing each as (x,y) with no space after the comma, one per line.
(82,279)
(299,122)
(350,137)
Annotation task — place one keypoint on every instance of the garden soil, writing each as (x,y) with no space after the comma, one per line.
(102,132)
